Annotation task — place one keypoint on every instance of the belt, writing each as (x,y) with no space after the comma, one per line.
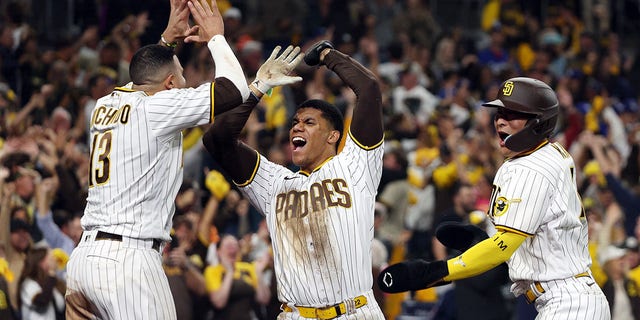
(101,235)
(326,313)
(531,295)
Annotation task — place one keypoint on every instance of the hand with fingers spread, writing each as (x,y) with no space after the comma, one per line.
(208,21)
(275,71)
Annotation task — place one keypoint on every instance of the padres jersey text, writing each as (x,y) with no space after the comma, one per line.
(312,217)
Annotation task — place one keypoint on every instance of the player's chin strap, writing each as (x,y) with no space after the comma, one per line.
(532,134)
(485,255)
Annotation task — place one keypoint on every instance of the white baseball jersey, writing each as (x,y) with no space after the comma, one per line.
(321,224)
(136,158)
(536,195)
(134,176)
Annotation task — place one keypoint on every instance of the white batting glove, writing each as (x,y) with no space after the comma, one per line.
(275,71)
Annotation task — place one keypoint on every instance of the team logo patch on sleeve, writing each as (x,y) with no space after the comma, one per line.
(500,206)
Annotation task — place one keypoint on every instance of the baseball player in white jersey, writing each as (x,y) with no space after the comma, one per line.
(136,171)
(537,212)
(321,217)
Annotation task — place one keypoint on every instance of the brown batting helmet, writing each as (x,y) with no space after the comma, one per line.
(530,96)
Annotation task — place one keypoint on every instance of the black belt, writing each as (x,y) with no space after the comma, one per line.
(101,235)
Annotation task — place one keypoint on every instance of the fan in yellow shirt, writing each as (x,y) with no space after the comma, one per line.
(234,287)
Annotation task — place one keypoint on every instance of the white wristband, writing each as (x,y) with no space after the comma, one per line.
(261,86)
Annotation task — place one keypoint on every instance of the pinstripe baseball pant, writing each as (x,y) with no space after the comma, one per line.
(572,298)
(124,279)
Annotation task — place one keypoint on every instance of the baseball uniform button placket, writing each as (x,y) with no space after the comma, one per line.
(536,289)
(330,312)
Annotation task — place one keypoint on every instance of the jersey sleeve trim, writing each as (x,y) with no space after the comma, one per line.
(516,231)
(362,145)
(253,174)
(123,89)
(211,108)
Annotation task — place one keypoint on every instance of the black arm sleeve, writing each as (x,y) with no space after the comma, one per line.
(225,96)
(221,141)
(366,124)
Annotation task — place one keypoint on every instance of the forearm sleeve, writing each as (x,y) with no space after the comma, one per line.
(227,65)
(366,125)
(221,141)
(484,256)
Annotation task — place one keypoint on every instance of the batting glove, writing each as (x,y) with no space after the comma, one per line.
(275,71)
(312,58)
(413,275)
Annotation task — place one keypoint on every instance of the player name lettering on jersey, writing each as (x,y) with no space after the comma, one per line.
(320,196)
(107,116)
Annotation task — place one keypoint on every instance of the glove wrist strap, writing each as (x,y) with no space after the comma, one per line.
(262,86)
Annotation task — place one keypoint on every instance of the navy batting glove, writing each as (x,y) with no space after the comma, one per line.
(413,275)
(459,236)
(312,56)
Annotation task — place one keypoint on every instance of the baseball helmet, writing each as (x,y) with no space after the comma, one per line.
(530,96)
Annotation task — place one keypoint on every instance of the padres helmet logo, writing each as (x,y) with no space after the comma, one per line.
(500,206)
(507,90)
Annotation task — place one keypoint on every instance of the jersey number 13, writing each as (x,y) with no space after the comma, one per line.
(100,164)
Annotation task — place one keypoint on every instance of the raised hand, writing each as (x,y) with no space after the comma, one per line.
(275,71)
(315,53)
(208,19)
(178,24)
(227,262)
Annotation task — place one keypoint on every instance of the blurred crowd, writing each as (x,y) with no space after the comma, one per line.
(440,147)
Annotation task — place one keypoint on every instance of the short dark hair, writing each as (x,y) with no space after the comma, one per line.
(62,217)
(329,112)
(148,61)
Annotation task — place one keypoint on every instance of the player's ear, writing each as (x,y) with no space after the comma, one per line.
(334,135)
(170,81)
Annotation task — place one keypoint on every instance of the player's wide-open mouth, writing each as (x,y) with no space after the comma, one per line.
(503,135)
(298,142)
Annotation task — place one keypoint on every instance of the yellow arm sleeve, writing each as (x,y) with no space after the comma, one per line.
(485,255)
